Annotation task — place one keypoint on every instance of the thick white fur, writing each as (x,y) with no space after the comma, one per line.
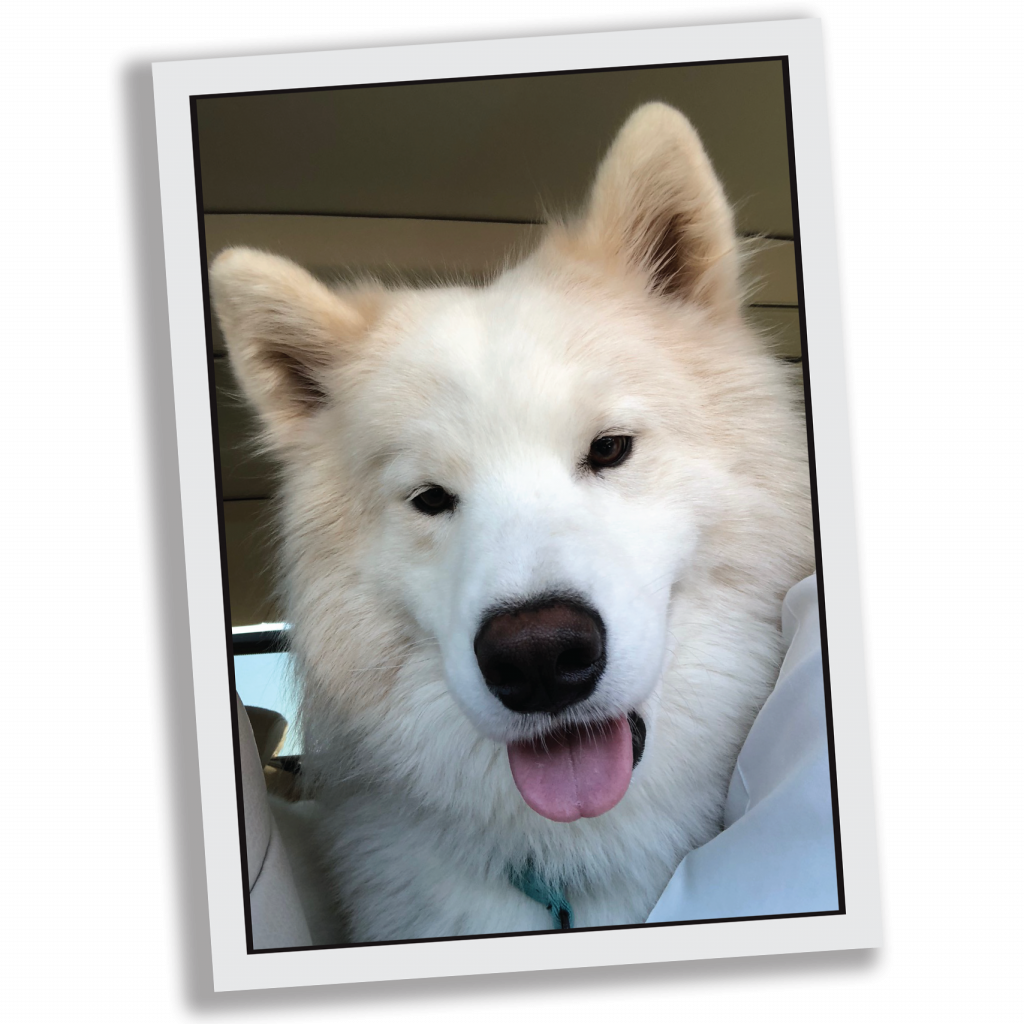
(625,321)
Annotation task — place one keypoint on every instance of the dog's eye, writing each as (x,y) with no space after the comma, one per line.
(606,452)
(433,501)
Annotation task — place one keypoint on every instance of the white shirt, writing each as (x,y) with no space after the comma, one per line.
(776,854)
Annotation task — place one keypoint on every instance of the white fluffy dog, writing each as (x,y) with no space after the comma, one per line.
(536,537)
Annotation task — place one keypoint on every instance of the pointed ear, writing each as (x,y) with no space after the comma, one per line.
(285,333)
(657,204)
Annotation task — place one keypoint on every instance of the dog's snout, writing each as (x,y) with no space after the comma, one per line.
(542,657)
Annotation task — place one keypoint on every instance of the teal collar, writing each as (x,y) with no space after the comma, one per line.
(527,880)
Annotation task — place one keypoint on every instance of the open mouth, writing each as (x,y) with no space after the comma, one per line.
(579,771)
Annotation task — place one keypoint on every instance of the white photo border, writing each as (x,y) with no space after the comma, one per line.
(175,83)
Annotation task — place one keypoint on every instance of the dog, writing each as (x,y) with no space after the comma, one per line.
(535,538)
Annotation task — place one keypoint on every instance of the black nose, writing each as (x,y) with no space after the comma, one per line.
(542,657)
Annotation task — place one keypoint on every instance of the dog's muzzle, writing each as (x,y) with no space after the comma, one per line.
(540,658)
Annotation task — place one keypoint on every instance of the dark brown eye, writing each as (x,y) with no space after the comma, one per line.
(433,501)
(606,452)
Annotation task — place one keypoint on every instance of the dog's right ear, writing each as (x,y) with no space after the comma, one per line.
(657,204)
(285,332)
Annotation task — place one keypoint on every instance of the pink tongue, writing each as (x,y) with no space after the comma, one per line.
(576,773)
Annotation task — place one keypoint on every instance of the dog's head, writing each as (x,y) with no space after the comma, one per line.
(518,480)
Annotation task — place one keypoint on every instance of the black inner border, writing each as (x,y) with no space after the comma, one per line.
(267,642)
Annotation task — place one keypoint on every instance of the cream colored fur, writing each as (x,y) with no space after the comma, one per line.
(624,321)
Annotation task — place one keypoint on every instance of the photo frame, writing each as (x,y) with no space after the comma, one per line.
(184,614)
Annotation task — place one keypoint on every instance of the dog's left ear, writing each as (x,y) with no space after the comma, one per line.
(657,204)
(286,335)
